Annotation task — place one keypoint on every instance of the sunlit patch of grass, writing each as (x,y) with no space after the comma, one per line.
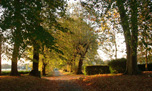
(8,72)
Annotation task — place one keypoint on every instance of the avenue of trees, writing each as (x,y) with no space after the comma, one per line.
(45,32)
(134,18)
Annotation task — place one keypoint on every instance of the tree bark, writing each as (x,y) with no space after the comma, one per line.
(80,66)
(134,38)
(44,68)
(14,71)
(82,55)
(0,52)
(35,71)
(131,40)
(17,39)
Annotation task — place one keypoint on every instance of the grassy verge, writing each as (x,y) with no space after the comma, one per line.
(8,72)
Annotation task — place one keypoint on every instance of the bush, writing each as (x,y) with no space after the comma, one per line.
(150,66)
(117,66)
(91,70)
(142,67)
(20,72)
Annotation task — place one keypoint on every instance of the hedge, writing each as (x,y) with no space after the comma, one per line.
(114,66)
(8,72)
(99,69)
(118,65)
(142,67)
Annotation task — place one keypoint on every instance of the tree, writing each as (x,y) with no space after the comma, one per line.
(27,25)
(49,60)
(131,38)
(128,16)
(0,51)
(76,45)
(13,13)
(144,31)
(45,59)
(109,34)
(42,26)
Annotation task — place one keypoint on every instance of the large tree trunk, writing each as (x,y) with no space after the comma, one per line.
(18,39)
(44,68)
(0,52)
(131,41)
(35,71)
(14,71)
(82,55)
(134,39)
(80,66)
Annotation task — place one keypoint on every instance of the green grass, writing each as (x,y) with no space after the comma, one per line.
(8,72)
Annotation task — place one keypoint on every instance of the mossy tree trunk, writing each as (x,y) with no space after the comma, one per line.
(17,38)
(131,37)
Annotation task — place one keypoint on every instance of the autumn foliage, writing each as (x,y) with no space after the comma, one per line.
(118,82)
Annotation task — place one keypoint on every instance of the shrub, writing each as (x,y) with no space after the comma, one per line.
(91,70)
(150,66)
(20,72)
(142,67)
(117,66)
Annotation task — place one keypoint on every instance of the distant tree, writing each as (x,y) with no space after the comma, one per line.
(109,31)
(45,59)
(145,25)
(42,26)
(78,43)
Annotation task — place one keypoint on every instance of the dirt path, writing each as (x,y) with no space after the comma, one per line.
(69,86)
(66,82)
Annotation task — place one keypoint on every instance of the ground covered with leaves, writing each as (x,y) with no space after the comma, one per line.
(26,83)
(102,82)
(117,82)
